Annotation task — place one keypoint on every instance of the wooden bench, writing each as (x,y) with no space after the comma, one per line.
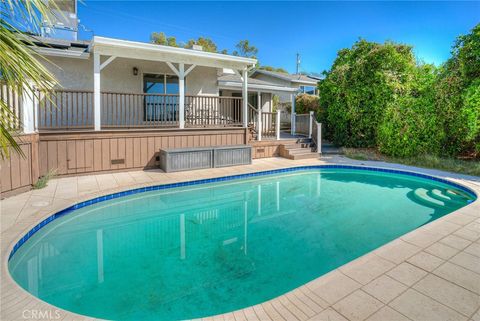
(184,159)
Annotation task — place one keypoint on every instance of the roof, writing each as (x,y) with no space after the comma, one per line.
(295,78)
(58,47)
(135,50)
(233,81)
(149,51)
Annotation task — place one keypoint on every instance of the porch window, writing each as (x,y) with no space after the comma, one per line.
(161,99)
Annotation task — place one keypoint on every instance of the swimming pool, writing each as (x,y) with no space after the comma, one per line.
(207,247)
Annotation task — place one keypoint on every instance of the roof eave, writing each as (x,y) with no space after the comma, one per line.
(108,45)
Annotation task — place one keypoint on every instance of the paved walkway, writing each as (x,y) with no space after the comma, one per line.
(430,274)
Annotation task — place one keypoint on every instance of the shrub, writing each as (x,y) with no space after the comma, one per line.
(356,91)
(305,103)
(377,95)
(457,96)
(410,124)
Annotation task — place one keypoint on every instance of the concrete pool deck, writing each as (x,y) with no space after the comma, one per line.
(431,273)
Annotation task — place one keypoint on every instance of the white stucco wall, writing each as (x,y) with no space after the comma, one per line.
(284,97)
(118,75)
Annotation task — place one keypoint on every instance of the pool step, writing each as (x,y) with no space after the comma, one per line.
(441,196)
(421,194)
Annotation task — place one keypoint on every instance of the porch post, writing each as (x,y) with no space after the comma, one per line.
(96,92)
(259,115)
(28,108)
(181,92)
(310,125)
(278,123)
(245,96)
(292,97)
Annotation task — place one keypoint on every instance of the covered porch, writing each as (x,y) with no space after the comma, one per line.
(123,84)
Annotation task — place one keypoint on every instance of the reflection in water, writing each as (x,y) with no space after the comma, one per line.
(198,251)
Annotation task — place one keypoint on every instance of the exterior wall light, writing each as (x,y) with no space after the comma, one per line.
(135,71)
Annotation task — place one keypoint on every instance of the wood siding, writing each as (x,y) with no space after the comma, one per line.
(87,152)
(18,173)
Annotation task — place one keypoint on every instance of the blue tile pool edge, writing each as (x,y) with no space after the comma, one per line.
(99,199)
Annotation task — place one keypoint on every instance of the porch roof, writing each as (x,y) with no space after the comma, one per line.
(147,51)
(232,81)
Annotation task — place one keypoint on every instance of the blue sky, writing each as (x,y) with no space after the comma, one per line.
(317,30)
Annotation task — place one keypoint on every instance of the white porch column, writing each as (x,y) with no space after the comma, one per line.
(96,92)
(319,138)
(292,97)
(277,123)
(245,96)
(259,120)
(28,110)
(181,93)
(310,125)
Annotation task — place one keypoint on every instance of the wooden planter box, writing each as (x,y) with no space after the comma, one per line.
(184,159)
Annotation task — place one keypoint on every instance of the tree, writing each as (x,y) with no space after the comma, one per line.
(206,43)
(160,38)
(19,67)
(244,49)
(270,68)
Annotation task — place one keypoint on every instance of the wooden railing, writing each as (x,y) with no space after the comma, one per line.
(74,109)
(14,101)
(62,109)
(129,110)
(302,124)
(317,136)
(269,121)
(208,111)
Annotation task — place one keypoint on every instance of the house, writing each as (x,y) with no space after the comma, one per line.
(119,102)
(303,84)
(174,85)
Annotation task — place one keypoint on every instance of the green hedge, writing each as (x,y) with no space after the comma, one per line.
(378,95)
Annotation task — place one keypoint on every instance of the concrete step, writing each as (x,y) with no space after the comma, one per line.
(310,155)
(299,150)
(297,145)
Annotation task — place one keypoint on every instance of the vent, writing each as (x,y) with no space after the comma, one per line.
(118,161)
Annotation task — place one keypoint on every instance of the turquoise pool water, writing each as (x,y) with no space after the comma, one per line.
(201,250)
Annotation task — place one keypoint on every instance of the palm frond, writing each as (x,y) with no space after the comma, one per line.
(20,68)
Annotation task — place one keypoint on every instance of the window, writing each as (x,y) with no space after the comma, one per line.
(311,90)
(158,107)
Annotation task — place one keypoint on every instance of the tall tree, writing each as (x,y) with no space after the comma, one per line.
(244,49)
(206,43)
(19,68)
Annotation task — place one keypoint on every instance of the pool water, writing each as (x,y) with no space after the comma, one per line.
(202,250)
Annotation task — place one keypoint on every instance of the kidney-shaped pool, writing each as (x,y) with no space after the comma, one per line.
(204,248)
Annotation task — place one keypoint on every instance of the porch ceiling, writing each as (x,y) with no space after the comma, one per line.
(147,51)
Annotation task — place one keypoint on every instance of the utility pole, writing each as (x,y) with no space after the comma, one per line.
(298,63)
